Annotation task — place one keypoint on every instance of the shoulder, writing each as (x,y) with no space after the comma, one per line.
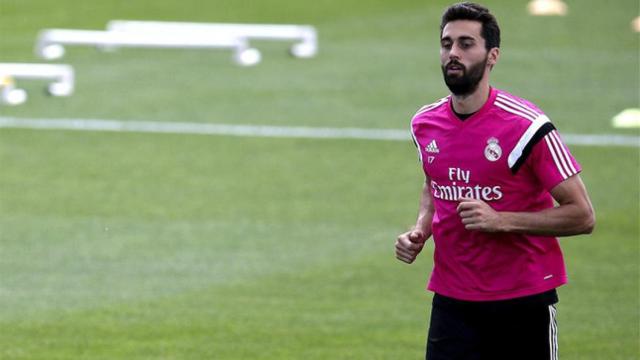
(432,107)
(425,117)
(431,113)
(516,108)
(525,119)
(529,124)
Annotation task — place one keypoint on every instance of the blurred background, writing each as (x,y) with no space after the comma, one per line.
(175,246)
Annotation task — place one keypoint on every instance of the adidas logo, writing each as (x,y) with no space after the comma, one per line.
(432,147)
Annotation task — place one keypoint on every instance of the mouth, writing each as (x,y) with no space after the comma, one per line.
(455,67)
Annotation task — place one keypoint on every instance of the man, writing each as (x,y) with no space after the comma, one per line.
(494,164)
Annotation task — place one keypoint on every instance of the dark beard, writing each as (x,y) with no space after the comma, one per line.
(468,82)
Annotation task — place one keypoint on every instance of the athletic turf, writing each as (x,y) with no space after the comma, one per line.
(148,246)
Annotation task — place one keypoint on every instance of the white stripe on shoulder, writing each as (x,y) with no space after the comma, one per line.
(415,141)
(555,157)
(431,106)
(518,104)
(516,153)
(508,108)
(514,105)
(559,152)
(565,154)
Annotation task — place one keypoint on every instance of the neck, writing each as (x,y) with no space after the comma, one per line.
(470,103)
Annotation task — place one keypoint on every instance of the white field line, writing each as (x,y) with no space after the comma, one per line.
(266,131)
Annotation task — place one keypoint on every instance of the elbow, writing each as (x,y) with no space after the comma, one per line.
(589,225)
(589,221)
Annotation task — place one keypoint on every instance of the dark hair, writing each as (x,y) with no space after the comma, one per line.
(474,12)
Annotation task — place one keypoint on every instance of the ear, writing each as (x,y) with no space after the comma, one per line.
(493,56)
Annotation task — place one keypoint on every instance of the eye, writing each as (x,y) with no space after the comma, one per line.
(445,44)
(466,44)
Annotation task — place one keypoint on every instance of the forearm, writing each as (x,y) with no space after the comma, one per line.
(573,215)
(410,243)
(425,211)
(565,220)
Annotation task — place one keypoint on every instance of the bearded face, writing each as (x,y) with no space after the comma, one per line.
(461,80)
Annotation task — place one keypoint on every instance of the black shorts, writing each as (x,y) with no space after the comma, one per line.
(517,329)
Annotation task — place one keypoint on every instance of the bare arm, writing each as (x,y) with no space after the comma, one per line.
(426,210)
(410,243)
(574,214)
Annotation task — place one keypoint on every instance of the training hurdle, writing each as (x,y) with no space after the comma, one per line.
(50,43)
(61,80)
(160,34)
(305,36)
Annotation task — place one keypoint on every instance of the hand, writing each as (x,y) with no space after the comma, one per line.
(409,245)
(478,215)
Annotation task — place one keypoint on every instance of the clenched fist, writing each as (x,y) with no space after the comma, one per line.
(409,245)
(478,215)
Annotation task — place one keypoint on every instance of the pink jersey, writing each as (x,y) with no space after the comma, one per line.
(509,155)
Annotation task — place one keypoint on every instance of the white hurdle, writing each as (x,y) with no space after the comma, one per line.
(61,77)
(305,36)
(50,43)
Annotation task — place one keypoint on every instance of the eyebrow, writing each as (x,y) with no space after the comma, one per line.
(463,37)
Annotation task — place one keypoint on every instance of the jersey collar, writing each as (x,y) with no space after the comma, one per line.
(487,105)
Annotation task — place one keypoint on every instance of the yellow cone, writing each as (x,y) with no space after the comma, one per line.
(629,118)
(6,81)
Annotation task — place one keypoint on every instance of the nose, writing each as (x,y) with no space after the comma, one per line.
(454,53)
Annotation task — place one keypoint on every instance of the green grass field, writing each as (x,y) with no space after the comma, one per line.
(149,246)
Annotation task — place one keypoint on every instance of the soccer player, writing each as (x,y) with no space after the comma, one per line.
(494,164)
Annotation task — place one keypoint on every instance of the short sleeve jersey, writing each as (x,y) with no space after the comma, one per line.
(509,155)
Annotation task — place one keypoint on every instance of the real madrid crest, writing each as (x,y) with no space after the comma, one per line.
(492,151)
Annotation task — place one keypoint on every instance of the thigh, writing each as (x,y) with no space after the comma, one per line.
(453,334)
(527,333)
